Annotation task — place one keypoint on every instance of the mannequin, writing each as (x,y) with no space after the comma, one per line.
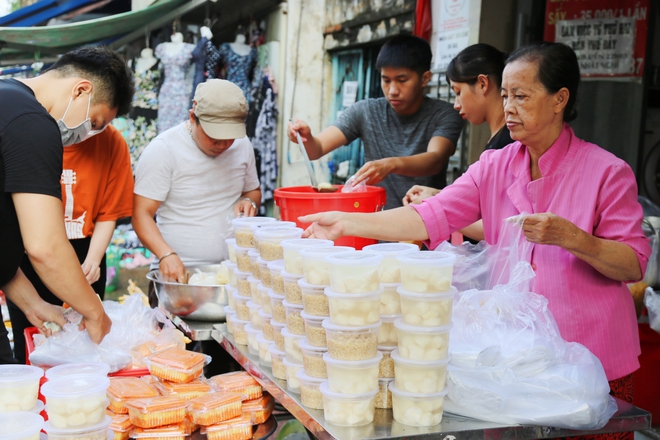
(146,60)
(176,45)
(239,45)
(240,60)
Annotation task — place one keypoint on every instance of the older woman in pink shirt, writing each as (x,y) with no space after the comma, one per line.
(584,219)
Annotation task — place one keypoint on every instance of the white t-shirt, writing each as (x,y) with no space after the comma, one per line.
(197,191)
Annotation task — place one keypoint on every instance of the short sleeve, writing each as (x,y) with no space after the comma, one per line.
(118,196)
(351,120)
(448,123)
(153,176)
(251,180)
(32,152)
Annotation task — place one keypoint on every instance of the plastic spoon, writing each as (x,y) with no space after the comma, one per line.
(310,170)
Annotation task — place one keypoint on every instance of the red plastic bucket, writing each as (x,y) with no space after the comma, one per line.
(296,201)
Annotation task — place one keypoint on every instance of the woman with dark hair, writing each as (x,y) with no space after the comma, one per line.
(581,204)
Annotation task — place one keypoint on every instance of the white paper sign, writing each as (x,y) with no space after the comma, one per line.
(453,31)
(349,94)
(603,46)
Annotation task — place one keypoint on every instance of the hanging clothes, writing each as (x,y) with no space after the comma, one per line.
(257,97)
(212,60)
(239,67)
(265,141)
(199,61)
(174,95)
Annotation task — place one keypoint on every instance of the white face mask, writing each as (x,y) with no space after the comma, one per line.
(77,134)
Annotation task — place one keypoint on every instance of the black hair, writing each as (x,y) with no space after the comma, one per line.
(475,60)
(105,69)
(557,68)
(406,51)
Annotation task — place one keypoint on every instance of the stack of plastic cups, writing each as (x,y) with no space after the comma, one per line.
(269,241)
(231,249)
(243,229)
(19,388)
(230,309)
(420,361)
(390,310)
(352,360)
(253,254)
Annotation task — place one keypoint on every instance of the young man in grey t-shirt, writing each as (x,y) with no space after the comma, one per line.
(408,137)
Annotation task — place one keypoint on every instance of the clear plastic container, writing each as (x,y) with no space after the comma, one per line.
(264,354)
(264,272)
(255,319)
(19,387)
(293,262)
(277,333)
(232,268)
(231,249)
(292,291)
(239,428)
(214,408)
(240,337)
(266,306)
(387,334)
(427,309)
(100,368)
(38,408)
(351,343)
(76,401)
(279,312)
(422,343)
(186,391)
(229,315)
(352,377)
(266,326)
(390,269)
(239,382)
(270,239)
(292,381)
(354,309)
(176,365)
(123,389)
(313,359)
(348,409)
(242,283)
(386,367)
(426,271)
(242,309)
(120,426)
(254,290)
(421,377)
(314,330)
(98,431)
(277,362)
(20,425)
(242,259)
(315,269)
(310,394)
(313,299)
(354,272)
(291,347)
(254,265)
(294,321)
(417,409)
(230,296)
(156,411)
(276,280)
(243,229)
(259,409)
(253,346)
(384,396)
(390,303)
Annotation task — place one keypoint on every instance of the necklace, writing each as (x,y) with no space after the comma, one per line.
(189,125)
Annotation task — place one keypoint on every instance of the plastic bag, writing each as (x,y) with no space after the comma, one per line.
(509,363)
(349,187)
(652,303)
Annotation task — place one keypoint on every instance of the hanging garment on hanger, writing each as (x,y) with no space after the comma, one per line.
(265,141)
(212,60)
(199,60)
(239,67)
(258,88)
(174,96)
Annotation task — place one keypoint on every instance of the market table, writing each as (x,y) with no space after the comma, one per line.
(627,418)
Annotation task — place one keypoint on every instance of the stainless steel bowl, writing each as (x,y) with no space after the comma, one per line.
(200,303)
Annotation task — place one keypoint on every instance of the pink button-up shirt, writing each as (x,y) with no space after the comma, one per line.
(584,184)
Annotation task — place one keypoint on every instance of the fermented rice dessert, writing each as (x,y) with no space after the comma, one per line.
(348,409)
(76,401)
(242,310)
(387,334)
(176,365)
(313,298)
(314,330)
(266,326)
(292,291)
(427,309)
(254,290)
(351,343)
(422,343)
(277,334)
(156,411)
(253,345)
(254,265)
(243,229)
(259,409)
(266,306)
(231,249)
(293,261)
(98,431)
(269,240)
(315,269)
(354,271)
(292,381)
(277,281)
(239,428)
(310,394)
(19,387)
(352,377)
(122,389)
(279,312)
(390,303)
(313,359)
(20,425)
(386,366)
(421,377)
(215,408)
(255,319)
(238,382)
(232,268)
(264,354)
(230,296)
(277,358)
(390,269)
(291,346)
(186,391)
(242,259)
(426,271)
(229,315)
(354,309)
(384,396)
(417,409)
(240,335)
(242,283)
(264,272)
(294,321)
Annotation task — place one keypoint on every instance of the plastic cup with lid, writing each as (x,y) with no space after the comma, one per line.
(76,401)
(243,232)
(20,425)
(291,248)
(348,409)
(270,239)
(19,387)
(416,409)
(426,271)
(353,377)
(422,377)
(354,272)
(97,368)
(390,268)
(422,343)
(315,269)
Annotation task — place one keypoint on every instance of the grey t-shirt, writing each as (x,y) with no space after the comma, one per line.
(386,134)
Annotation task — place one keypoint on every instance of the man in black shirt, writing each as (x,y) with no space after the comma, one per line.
(83,91)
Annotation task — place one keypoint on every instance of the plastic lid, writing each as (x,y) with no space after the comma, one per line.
(72,387)
(50,429)
(391,249)
(19,424)
(129,388)
(265,315)
(353,364)
(428,258)
(304,377)
(238,422)
(262,262)
(304,345)
(253,280)
(246,222)
(155,404)
(263,288)
(253,305)
(100,368)
(302,243)
(275,351)
(427,296)
(384,381)
(275,224)
(390,318)
(387,348)
(178,358)
(272,294)
(230,241)
(319,252)
(325,390)
(15,374)
(258,404)
(120,422)
(288,363)
(291,276)
(287,334)
(354,258)
(398,323)
(213,400)
(390,286)
(417,396)
(250,329)
(353,329)
(288,305)
(235,380)
(313,289)
(282,233)
(235,321)
(353,296)
(279,325)
(277,265)
(242,275)
(308,317)
(229,311)
(174,431)
(261,339)
(241,250)
(196,385)
(253,253)
(396,357)
(38,407)
(230,265)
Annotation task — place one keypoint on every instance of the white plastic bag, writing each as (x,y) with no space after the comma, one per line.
(350,187)
(652,303)
(509,363)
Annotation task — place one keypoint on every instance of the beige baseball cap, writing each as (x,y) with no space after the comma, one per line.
(221,109)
